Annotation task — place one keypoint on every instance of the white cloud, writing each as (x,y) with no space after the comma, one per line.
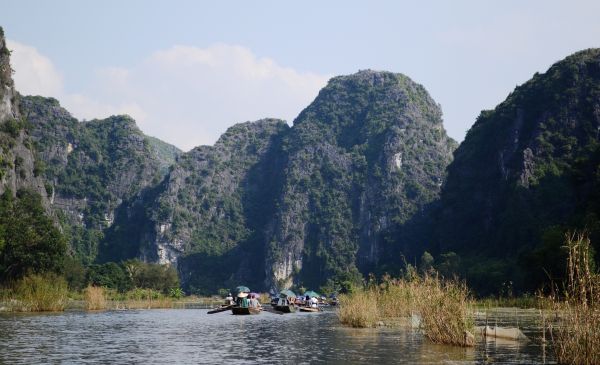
(185,95)
(191,95)
(34,73)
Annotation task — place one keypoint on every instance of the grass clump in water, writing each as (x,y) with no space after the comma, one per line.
(444,307)
(94,298)
(359,309)
(576,336)
(40,293)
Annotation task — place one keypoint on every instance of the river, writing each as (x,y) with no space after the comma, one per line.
(191,336)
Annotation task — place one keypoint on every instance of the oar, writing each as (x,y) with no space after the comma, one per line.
(218,310)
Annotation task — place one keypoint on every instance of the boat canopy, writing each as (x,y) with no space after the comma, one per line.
(311,294)
(241,289)
(287,294)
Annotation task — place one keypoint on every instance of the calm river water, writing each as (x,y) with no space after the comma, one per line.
(190,336)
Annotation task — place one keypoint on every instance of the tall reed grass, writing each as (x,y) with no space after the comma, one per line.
(576,335)
(358,309)
(444,307)
(94,298)
(40,293)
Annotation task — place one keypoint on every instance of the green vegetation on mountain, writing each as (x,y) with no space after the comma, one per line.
(279,206)
(527,172)
(209,213)
(166,153)
(352,188)
(363,159)
(91,168)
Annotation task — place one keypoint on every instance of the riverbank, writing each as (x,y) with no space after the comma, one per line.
(50,294)
(81,305)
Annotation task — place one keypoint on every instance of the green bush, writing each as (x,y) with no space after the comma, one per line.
(29,240)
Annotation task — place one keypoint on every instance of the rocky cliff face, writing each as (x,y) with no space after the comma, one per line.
(90,168)
(362,160)
(18,169)
(276,206)
(207,215)
(526,172)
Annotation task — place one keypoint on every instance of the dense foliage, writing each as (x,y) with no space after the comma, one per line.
(278,206)
(29,241)
(527,171)
(363,161)
(91,168)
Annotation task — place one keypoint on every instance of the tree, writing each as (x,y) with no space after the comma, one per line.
(449,265)
(426,264)
(29,241)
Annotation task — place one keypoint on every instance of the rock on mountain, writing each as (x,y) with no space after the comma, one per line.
(276,206)
(91,168)
(363,160)
(18,167)
(527,171)
(208,214)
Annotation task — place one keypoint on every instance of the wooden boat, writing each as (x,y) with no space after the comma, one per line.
(309,309)
(222,308)
(245,310)
(290,308)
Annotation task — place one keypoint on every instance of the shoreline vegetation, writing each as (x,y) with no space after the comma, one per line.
(445,310)
(43,296)
(576,331)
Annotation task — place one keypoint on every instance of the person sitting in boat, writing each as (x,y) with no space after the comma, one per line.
(242,300)
(314,302)
(229,300)
(254,303)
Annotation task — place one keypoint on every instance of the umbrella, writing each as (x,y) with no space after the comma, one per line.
(287,293)
(311,294)
(242,289)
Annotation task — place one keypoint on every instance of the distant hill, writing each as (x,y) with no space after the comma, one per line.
(91,168)
(365,181)
(275,206)
(527,172)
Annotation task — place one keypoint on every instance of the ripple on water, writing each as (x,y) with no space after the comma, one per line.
(191,336)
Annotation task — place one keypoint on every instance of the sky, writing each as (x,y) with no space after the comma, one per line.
(188,70)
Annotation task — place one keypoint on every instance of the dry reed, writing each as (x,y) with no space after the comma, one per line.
(40,293)
(94,298)
(445,310)
(576,336)
(358,309)
(444,307)
(264,298)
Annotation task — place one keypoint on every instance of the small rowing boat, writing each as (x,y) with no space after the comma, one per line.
(309,309)
(245,310)
(290,308)
(222,308)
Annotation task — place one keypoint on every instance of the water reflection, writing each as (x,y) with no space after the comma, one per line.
(192,336)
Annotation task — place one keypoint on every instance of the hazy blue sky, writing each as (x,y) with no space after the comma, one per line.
(187,70)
